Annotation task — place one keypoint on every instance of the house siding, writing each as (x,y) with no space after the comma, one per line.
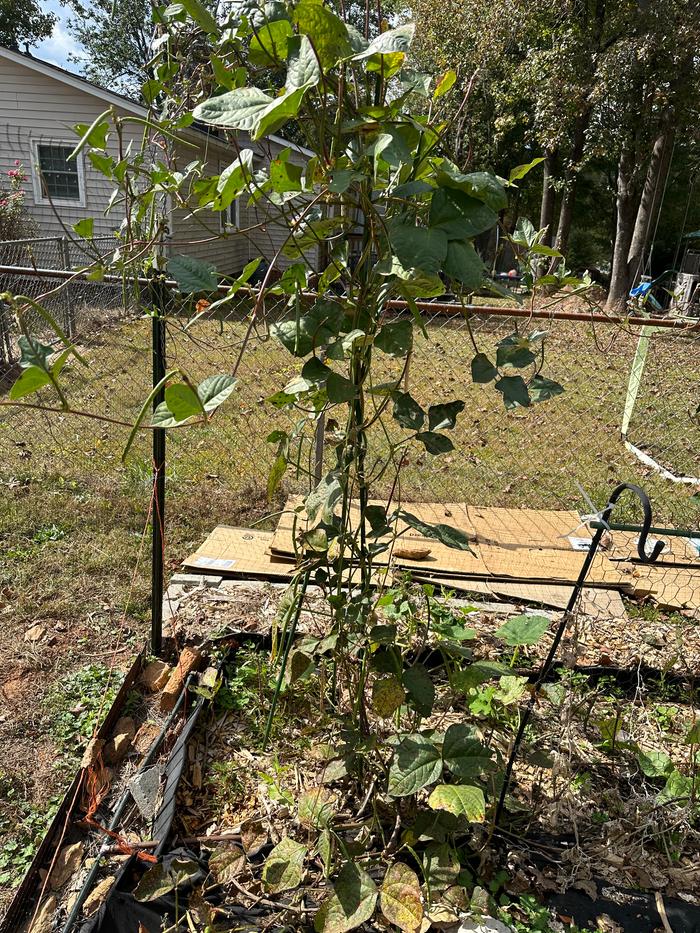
(38,107)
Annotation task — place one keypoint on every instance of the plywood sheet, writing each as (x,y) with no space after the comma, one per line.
(239,552)
(676,550)
(529,528)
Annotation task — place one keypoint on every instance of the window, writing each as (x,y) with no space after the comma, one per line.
(231,217)
(60,179)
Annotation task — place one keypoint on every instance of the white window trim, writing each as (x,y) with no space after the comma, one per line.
(39,197)
(226,224)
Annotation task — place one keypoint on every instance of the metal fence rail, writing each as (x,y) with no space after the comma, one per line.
(558,454)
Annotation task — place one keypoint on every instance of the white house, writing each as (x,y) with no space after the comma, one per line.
(39,105)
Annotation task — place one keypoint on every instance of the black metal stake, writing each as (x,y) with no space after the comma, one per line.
(647,558)
(158,505)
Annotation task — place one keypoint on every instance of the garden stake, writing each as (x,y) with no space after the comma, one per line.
(285,654)
(158,505)
(647,558)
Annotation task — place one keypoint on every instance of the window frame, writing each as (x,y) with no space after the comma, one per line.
(39,196)
(226,222)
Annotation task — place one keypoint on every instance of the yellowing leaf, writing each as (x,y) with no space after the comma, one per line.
(400,898)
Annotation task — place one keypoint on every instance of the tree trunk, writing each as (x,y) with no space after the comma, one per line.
(548,196)
(624,229)
(650,201)
(566,211)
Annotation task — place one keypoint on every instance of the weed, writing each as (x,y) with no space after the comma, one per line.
(75,706)
(23,826)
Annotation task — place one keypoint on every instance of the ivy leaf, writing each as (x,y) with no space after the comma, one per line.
(523,630)
(520,171)
(268,46)
(278,112)
(387,696)
(85,227)
(395,338)
(326,31)
(314,329)
(459,215)
(483,370)
(339,389)
(461,800)
(400,898)
(214,390)
(464,754)
(416,762)
(435,444)
(350,905)
(30,380)
(321,502)
(34,353)
(193,275)
(420,689)
(303,68)
(418,247)
(445,534)
(514,391)
(315,809)
(239,109)
(541,389)
(284,866)
(515,350)
(182,401)
(226,862)
(158,881)
(407,411)
(480,185)
(386,43)
(444,83)
(444,416)
(463,263)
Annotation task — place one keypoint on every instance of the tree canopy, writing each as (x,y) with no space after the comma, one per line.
(23,24)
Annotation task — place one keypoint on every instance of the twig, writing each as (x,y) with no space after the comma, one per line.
(662,912)
(268,903)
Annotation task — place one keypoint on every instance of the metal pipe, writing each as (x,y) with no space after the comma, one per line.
(652,530)
(158,505)
(398,305)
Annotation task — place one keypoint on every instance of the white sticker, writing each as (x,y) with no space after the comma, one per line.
(651,544)
(214,563)
(579,544)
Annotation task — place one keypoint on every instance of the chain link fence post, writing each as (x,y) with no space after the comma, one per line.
(64,252)
(159,295)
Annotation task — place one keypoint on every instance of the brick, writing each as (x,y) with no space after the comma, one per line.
(189,660)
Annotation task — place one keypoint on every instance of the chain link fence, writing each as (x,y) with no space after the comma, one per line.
(567,452)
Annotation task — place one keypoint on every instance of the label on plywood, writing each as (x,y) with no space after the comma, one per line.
(579,544)
(214,563)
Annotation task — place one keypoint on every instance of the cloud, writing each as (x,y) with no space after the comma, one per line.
(60,44)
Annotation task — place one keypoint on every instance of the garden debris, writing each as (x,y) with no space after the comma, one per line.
(120,742)
(98,894)
(92,752)
(188,661)
(145,789)
(66,865)
(43,922)
(35,633)
(145,737)
(155,676)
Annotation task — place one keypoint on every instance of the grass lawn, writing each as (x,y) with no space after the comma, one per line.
(74,542)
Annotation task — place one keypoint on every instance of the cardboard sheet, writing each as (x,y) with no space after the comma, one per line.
(239,552)
(531,528)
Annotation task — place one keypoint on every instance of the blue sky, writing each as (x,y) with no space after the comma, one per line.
(60,45)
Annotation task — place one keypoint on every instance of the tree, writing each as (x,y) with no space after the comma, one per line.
(116,38)
(23,24)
